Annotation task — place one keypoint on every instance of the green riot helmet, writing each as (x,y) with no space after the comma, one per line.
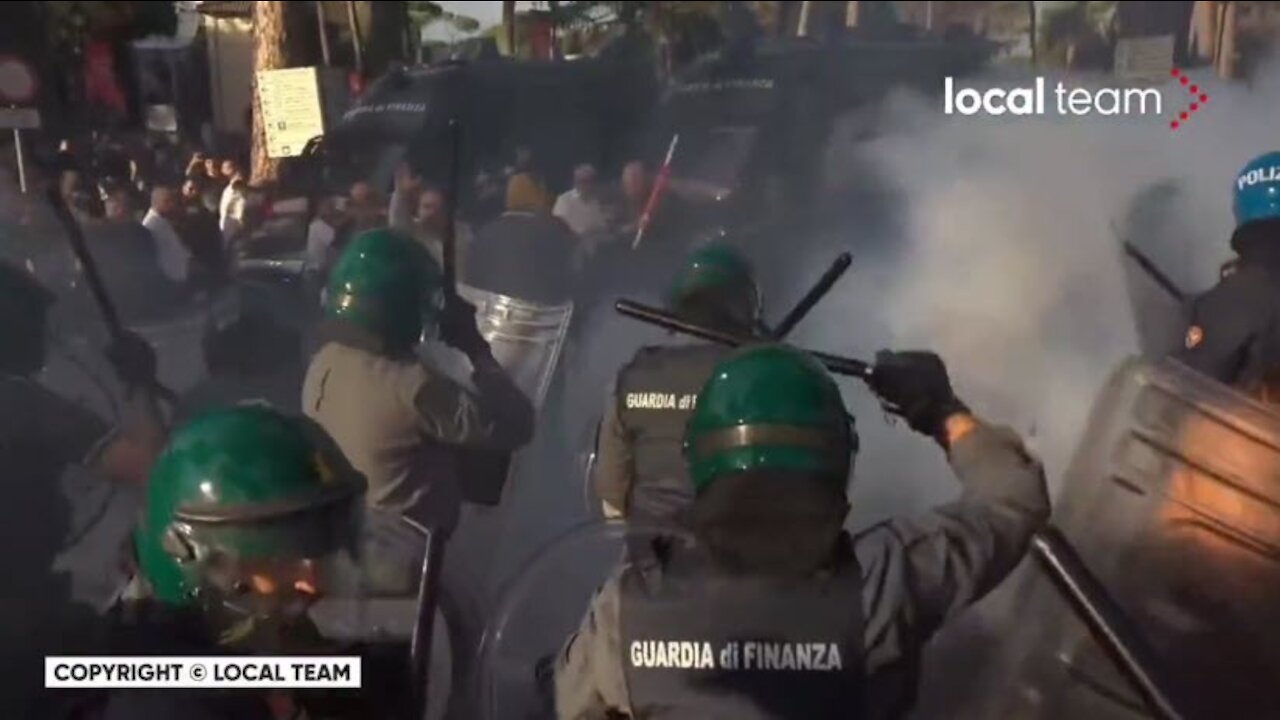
(717,287)
(769,407)
(250,513)
(389,285)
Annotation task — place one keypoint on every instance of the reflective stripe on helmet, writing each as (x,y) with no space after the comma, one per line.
(767,434)
(221,513)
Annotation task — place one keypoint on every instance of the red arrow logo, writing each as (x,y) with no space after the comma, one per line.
(1198,99)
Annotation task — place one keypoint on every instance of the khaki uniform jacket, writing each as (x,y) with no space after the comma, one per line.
(916,574)
(395,418)
(614,473)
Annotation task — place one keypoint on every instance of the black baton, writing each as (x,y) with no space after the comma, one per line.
(813,297)
(654,316)
(1110,626)
(101,297)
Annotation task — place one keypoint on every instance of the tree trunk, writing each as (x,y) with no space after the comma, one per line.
(1033,32)
(1226,46)
(553,8)
(1204,30)
(276,41)
(386,36)
(509,26)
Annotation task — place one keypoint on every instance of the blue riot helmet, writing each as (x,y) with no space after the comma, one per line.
(1257,190)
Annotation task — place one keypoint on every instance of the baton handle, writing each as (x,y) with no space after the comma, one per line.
(654,316)
(87,264)
(1109,625)
(814,296)
(424,625)
(1154,272)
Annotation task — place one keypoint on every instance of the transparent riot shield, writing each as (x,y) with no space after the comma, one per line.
(1173,499)
(538,611)
(381,615)
(527,338)
(1156,219)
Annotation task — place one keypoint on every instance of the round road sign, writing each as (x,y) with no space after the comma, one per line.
(17,80)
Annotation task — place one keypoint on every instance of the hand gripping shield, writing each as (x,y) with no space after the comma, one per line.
(526,339)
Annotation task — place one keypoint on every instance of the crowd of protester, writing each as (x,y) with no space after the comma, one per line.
(167,223)
(514,234)
(155,226)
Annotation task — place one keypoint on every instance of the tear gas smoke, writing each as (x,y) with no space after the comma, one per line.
(1003,256)
(996,243)
(1001,252)
(993,242)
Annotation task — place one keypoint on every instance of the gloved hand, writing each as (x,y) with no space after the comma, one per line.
(915,386)
(458,327)
(134,360)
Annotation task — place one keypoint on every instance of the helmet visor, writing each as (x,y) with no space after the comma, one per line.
(282,563)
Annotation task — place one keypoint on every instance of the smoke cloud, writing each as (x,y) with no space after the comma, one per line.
(1001,252)
(996,243)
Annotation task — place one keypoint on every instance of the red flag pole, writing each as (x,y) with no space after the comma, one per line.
(659,184)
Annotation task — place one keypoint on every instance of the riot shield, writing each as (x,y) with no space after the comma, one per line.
(526,337)
(1173,498)
(538,611)
(380,617)
(1152,220)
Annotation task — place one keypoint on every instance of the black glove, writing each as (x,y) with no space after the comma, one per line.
(133,359)
(915,386)
(458,327)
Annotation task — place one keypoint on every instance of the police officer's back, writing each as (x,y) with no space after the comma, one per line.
(1234,333)
(397,417)
(767,609)
(640,472)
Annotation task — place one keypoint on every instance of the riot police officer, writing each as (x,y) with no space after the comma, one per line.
(767,608)
(639,470)
(1234,332)
(41,435)
(250,515)
(395,415)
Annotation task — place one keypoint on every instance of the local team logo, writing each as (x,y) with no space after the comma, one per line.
(1194,336)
